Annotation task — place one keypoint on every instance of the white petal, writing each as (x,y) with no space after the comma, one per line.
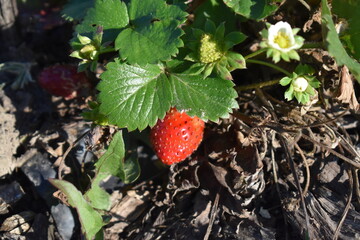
(284,28)
(300,84)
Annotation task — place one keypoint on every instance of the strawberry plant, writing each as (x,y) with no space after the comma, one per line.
(171,66)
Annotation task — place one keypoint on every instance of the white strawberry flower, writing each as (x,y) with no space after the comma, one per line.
(281,41)
(302,85)
(281,37)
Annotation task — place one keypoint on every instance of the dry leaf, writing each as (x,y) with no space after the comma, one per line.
(346,93)
(316,18)
(62,197)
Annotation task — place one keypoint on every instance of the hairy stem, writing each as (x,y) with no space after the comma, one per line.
(106,50)
(258,52)
(313,45)
(257,85)
(280,69)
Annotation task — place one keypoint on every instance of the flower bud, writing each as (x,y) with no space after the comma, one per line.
(300,84)
(88,51)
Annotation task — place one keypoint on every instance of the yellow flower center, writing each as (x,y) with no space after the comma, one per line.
(209,49)
(282,40)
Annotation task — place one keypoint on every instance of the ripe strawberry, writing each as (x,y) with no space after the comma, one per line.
(176,136)
(62,80)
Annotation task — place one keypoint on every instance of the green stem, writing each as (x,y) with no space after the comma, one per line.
(280,69)
(313,45)
(258,85)
(106,50)
(251,55)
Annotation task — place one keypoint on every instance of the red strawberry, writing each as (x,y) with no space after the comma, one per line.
(176,136)
(62,80)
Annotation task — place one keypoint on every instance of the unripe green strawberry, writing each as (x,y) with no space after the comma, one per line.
(209,49)
(176,136)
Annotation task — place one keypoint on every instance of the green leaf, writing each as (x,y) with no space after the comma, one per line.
(233,38)
(294,55)
(304,69)
(91,221)
(76,9)
(298,96)
(349,10)
(154,33)
(197,33)
(21,72)
(305,98)
(185,67)
(285,57)
(210,10)
(95,116)
(210,27)
(113,163)
(150,44)
(131,169)
(145,12)
(112,15)
(97,196)
(209,98)
(223,72)
(235,60)
(285,81)
(254,9)
(276,56)
(314,82)
(134,96)
(289,93)
(220,32)
(334,45)
(269,51)
(310,90)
